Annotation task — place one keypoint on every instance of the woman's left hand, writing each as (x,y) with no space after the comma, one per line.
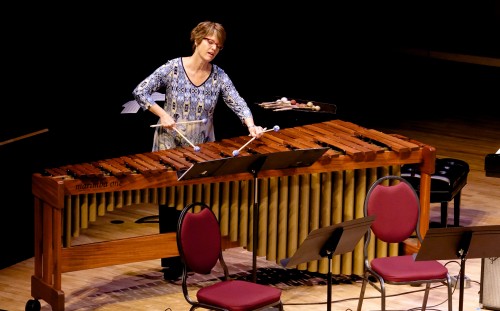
(256,131)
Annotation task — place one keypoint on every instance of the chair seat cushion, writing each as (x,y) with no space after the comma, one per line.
(239,295)
(407,269)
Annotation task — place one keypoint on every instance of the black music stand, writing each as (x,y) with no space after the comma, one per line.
(242,164)
(277,161)
(294,158)
(201,169)
(329,241)
(224,166)
(254,164)
(460,242)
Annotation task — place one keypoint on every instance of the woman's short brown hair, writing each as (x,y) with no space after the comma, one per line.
(208,28)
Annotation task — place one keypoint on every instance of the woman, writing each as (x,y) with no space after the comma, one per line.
(192,87)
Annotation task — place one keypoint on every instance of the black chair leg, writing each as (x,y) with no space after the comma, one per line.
(456,209)
(444,214)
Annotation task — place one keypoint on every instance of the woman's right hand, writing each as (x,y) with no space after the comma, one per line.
(167,121)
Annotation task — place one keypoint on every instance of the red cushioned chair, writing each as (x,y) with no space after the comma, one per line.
(396,207)
(200,248)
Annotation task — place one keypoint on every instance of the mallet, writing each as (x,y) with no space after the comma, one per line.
(196,148)
(204,121)
(237,152)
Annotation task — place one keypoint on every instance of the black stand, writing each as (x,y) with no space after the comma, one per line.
(220,167)
(254,164)
(460,242)
(277,161)
(254,169)
(326,242)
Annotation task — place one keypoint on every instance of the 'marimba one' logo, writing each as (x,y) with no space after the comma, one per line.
(97,185)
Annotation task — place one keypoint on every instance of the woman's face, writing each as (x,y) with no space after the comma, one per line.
(209,47)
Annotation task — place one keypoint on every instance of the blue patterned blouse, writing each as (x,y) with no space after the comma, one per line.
(185,101)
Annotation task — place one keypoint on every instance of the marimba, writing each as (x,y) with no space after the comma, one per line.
(291,201)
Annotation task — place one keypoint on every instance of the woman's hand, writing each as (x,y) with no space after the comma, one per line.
(167,121)
(256,131)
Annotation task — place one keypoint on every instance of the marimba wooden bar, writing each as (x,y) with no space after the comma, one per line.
(291,202)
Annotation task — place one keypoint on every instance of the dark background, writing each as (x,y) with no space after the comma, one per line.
(69,69)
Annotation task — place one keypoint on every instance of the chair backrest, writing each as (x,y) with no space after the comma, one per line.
(199,238)
(200,248)
(396,207)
